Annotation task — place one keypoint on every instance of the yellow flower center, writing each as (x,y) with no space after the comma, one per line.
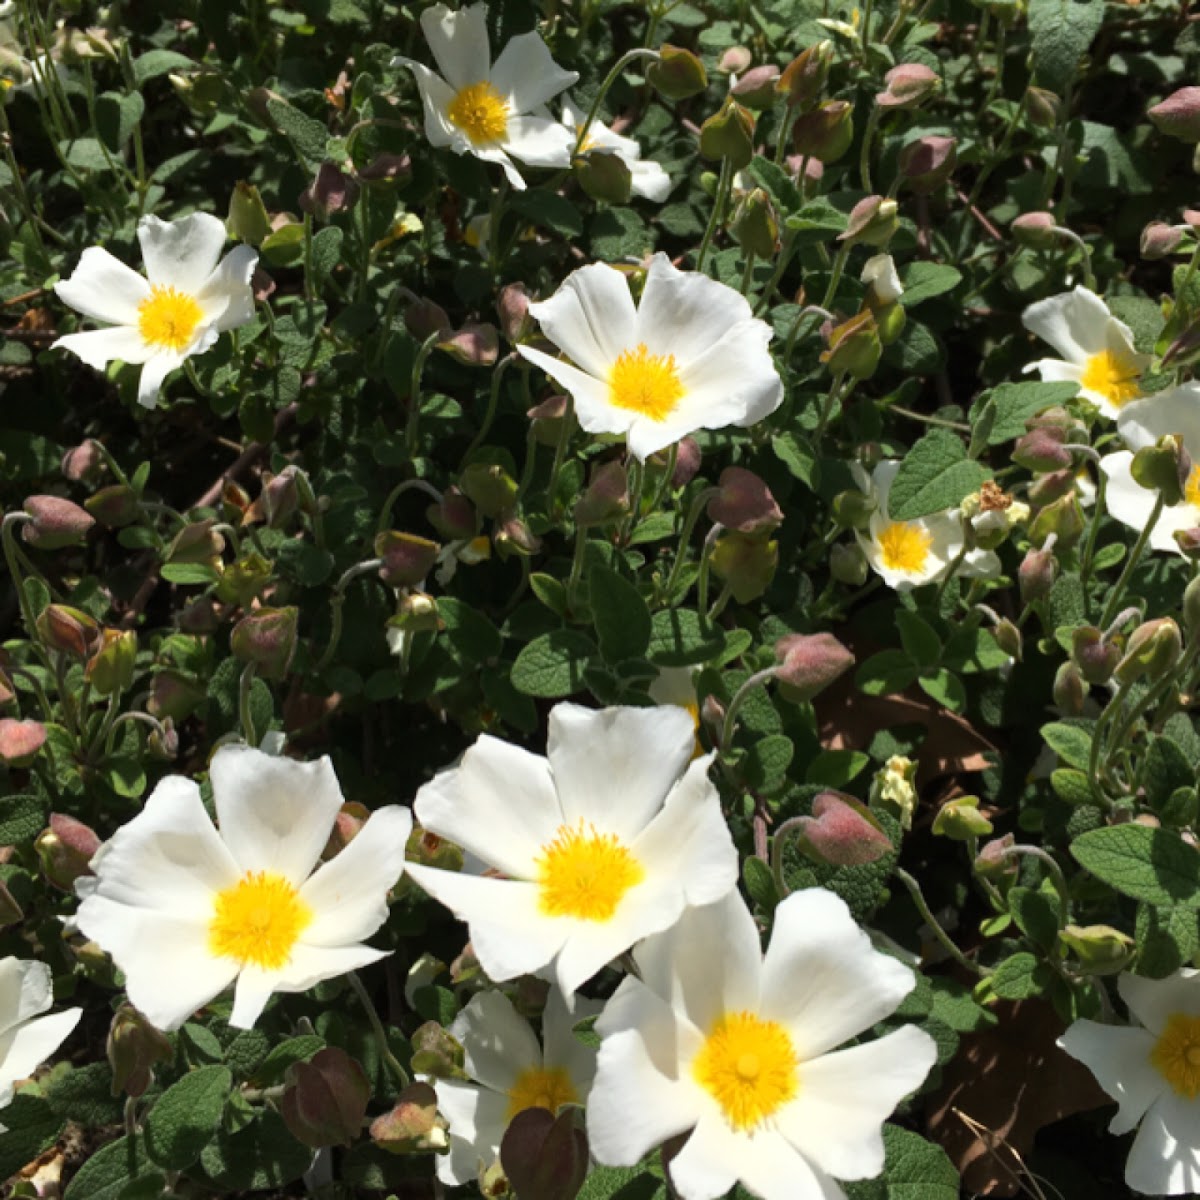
(645,383)
(1176,1054)
(480,112)
(168,318)
(585,874)
(749,1067)
(1114,376)
(904,546)
(1191,490)
(258,920)
(541,1087)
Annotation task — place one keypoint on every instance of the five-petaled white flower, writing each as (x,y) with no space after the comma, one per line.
(186,302)
(690,356)
(27,1039)
(603,842)
(1141,424)
(646,177)
(185,911)
(738,1051)
(1097,349)
(1152,1070)
(511,1073)
(908,554)
(495,111)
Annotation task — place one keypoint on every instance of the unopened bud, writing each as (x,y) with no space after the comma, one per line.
(407,559)
(1042,450)
(1153,650)
(928,162)
(416,613)
(56,523)
(1095,657)
(1036,574)
(853,509)
(243,581)
(1063,518)
(545,1155)
(872,222)
(453,516)
(804,78)
(546,420)
(1160,240)
(755,224)
(729,134)
(1045,489)
(489,487)
(413,1125)
(428,849)
(1191,608)
(326,1099)
(133,1047)
(1101,949)
(110,669)
(69,630)
(83,463)
(756,88)
(65,850)
(387,168)
(20,741)
(1178,116)
(1044,107)
(1069,691)
(843,832)
(994,861)
(735,60)
(744,502)
(248,220)
(114,506)
(1035,230)
(746,563)
(513,536)
(809,663)
(908,85)
(854,347)
(476,344)
(512,307)
(196,543)
(162,742)
(435,1052)
(1164,467)
(883,283)
(960,820)
(848,564)
(423,318)
(267,637)
(687,462)
(280,497)
(826,132)
(331,192)
(1188,541)
(678,73)
(1008,638)
(606,498)
(603,175)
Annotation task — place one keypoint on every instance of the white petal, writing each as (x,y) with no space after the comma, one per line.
(497,1044)
(33,1043)
(509,934)
(497,154)
(158,366)
(561,1048)
(348,894)
(774,1170)
(181,254)
(1054,370)
(711,1161)
(1119,1057)
(458,42)
(227,290)
(836,1120)
(1165,1157)
(614,767)
(539,141)
(26,989)
(99,347)
(499,803)
(734,381)
(275,814)
(1074,323)
(1154,1001)
(1132,504)
(591,945)
(525,74)
(593,409)
(1177,410)
(103,288)
(649,180)
(591,318)
(822,978)
(477,1119)
(436,97)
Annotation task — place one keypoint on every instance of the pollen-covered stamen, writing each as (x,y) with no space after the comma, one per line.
(167,318)
(1176,1054)
(480,112)
(541,1087)
(749,1066)
(904,546)
(584,874)
(1191,490)
(645,383)
(1112,374)
(258,920)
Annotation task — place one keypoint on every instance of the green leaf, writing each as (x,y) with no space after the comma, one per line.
(470,634)
(778,183)
(1060,33)
(1166,939)
(326,251)
(1015,403)
(678,638)
(760,883)
(308,565)
(552,592)
(935,475)
(622,1183)
(294,1050)
(817,221)
(308,136)
(30,1126)
(552,665)
(1070,742)
(159,62)
(84,1095)
(924,280)
(1036,915)
(86,154)
(885,673)
(549,210)
(916,1169)
(945,687)
(767,759)
(109,1171)
(21,819)
(189,573)
(1164,769)
(262,1155)
(1020,977)
(836,768)
(797,455)
(1071,786)
(919,638)
(620,615)
(185,1117)
(1148,864)
(117,116)
(654,528)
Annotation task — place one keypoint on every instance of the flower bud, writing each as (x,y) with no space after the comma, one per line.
(872,222)
(687,462)
(243,581)
(83,463)
(56,523)
(114,506)
(347,825)
(960,820)
(416,613)
(196,543)
(892,788)
(453,516)
(826,132)
(848,564)
(476,344)
(883,283)
(1160,240)
(387,168)
(248,220)
(162,742)
(512,307)
(1184,348)
(1069,691)
(853,509)
(1063,518)
(756,88)
(804,78)
(1035,230)
(994,861)
(546,420)
(1191,608)
(1047,488)
(603,175)
(423,318)
(1164,467)
(735,60)
(854,347)
(133,1047)
(1178,116)
(1042,450)
(729,134)
(1045,109)
(744,503)
(280,497)
(326,1099)
(1095,657)
(1101,949)
(489,487)
(842,832)
(267,637)
(1153,650)
(1036,574)
(928,162)
(435,1052)
(413,1125)
(606,498)
(331,192)
(20,741)
(908,85)
(428,849)
(514,537)
(755,224)
(678,73)
(65,850)
(1008,638)
(746,563)
(809,663)
(69,630)
(10,911)
(407,559)
(111,667)
(544,1154)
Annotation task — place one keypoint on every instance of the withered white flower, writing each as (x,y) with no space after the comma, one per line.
(879,273)
(185,910)
(1152,1070)
(510,1072)
(689,356)
(185,302)
(606,840)
(495,111)
(26,1037)
(1097,349)
(647,178)
(738,1051)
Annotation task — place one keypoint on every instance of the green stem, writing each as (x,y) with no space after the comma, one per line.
(729,725)
(689,523)
(781,265)
(377,1029)
(609,80)
(493,402)
(560,451)
(336,601)
(724,184)
(918,898)
(839,265)
(1055,871)
(245,688)
(1114,599)
(414,393)
(576,565)
(11,520)
(864,155)
(1089,550)
(407,485)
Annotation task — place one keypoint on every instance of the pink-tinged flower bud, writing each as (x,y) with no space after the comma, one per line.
(428,849)
(1063,518)
(407,559)
(333,191)
(114,506)
(545,1155)
(735,60)
(1036,574)
(809,663)
(729,134)
(388,169)
(843,832)
(267,637)
(133,1047)
(476,344)
(489,487)
(1095,657)
(928,162)
(603,175)
(10,911)
(848,564)
(280,497)
(423,318)
(755,224)
(20,741)
(162,742)
(1153,649)
(69,630)
(436,1052)
(1045,489)
(744,503)
(56,523)
(606,498)
(678,73)
(872,222)
(453,517)
(196,543)
(1164,467)
(826,132)
(512,307)
(546,420)
(65,850)
(960,820)
(687,462)
(110,669)
(994,861)
(1160,240)
(514,537)
(1035,230)
(347,825)
(1069,691)
(413,1125)
(1008,637)
(854,347)
(199,617)
(908,85)
(1045,108)
(804,78)
(1042,450)
(756,88)
(712,715)
(746,563)
(83,463)
(1178,116)
(326,1099)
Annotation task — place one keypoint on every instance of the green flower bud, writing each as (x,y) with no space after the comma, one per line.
(928,162)
(1164,467)
(677,74)
(604,176)
(407,559)
(755,224)
(133,1047)
(804,78)
(1101,949)
(1069,691)
(853,509)
(267,637)
(729,134)
(248,220)
(848,564)
(960,820)
(1044,107)
(110,669)
(872,222)
(489,487)
(69,630)
(854,347)
(243,581)
(114,506)
(826,132)
(1095,657)
(1152,651)
(746,563)
(56,524)
(1063,518)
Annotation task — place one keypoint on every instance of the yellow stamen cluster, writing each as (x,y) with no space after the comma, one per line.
(1191,490)
(749,1067)
(480,112)
(541,1087)
(585,874)
(645,383)
(1113,375)
(167,318)
(1176,1054)
(258,920)
(904,546)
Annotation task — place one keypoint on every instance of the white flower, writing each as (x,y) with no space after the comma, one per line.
(185,304)
(1097,349)
(647,178)
(738,1050)
(495,111)
(26,1039)
(879,273)
(186,911)
(908,554)
(1152,1070)
(689,356)
(1141,424)
(511,1073)
(603,842)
